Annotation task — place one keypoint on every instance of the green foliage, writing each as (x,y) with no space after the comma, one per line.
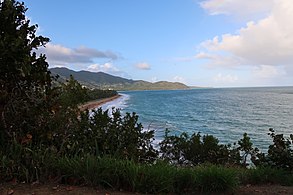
(116,135)
(25,82)
(20,66)
(94,94)
(264,175)
(147,178)
(280,153)
(158,178)
(37,118)
(245,147)
(72,93)
(185,180)
(216,178)
(24,164)
(194,150)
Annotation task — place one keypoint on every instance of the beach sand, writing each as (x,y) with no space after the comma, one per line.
(97,103)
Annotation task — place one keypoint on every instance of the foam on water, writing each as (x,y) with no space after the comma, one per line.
(120,103)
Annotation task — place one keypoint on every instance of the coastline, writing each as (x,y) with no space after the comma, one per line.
(97,103)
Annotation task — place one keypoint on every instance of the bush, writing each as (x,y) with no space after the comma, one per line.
(280,153)
(194,150)
(246,149)
(100,134)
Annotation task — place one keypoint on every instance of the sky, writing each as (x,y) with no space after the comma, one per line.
(210,43)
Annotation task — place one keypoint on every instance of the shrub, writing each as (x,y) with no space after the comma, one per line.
(100,134)
(194,150)
(280,153)
(246,149)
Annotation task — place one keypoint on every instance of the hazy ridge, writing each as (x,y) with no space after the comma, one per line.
(103,80)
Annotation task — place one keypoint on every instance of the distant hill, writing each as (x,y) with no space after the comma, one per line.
(103,80)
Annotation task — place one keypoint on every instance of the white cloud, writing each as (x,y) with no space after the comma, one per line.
(267,72)
(59,55)
(107,67)
(238,8)
(218,60)
(203,55)
(226,79)
(178,79)
(266,45)
(143,66)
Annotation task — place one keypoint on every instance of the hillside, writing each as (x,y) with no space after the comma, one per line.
(106,81)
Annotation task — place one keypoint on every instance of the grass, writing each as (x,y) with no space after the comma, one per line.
(155,178)
(159,177)
(266,175)
(213,178)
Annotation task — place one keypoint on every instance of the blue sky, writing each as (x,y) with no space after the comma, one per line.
(218,43)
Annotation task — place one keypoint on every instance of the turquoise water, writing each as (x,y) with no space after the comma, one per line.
(225,113)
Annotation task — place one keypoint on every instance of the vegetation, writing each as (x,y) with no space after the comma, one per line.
(25,82)
(94,94)
(72,93)
(160,177)
(44,136)
(105,81)
(195,151)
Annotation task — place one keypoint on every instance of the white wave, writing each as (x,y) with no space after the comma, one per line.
(120,103)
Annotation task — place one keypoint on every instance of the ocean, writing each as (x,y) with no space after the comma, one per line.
(225,113)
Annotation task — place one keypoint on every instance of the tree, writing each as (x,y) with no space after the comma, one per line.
(72,93)
(246,149)
(24,77)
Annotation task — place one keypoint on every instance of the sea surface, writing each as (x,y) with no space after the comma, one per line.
(225,113)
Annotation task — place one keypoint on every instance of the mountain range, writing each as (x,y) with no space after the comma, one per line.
(103,80)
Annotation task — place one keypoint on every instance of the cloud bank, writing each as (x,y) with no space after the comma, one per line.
(264,45)
(59,55)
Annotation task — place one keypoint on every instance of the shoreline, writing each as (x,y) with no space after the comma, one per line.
(97,103)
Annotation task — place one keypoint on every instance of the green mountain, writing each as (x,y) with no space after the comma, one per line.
(103,80)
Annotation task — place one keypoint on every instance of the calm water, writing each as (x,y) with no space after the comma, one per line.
(224,113)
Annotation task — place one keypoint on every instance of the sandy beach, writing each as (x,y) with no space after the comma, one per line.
(97,103)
